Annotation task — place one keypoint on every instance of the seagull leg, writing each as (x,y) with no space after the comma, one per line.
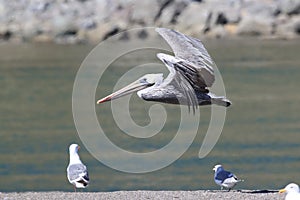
(74,188)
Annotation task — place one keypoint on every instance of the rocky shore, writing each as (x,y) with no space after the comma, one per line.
(80,21)
(144,195)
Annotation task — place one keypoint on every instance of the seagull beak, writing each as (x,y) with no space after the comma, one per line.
(78,148)
(133,87)
(282,191)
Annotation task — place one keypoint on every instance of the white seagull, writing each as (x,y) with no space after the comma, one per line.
(224,178)
(77,172)
(292,190)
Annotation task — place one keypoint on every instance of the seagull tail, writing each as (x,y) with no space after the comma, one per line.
(221,101)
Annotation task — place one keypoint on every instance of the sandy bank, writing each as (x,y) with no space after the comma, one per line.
(200,194)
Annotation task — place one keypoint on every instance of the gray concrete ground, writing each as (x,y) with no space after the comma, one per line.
(141,195)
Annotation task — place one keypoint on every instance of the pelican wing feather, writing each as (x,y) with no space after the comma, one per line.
(196,64)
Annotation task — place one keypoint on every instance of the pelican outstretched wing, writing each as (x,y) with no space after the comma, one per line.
(178,81)
(191,73)
(196,65)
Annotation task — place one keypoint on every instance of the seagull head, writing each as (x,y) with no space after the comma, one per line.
(290,188)
(216,167)
(73,149)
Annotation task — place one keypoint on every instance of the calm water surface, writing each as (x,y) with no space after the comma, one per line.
(260,141)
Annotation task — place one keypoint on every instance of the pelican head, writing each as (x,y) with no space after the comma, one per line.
(139,85)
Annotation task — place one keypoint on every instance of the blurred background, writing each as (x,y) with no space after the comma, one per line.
(255,44)
(77,21)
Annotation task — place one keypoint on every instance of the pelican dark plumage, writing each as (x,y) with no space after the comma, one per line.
(191,74)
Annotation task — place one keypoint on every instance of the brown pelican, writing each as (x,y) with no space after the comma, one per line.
(191,73)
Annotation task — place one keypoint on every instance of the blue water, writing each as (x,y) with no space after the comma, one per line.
(260,141)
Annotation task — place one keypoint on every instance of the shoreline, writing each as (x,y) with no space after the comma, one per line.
(147,194)
(92,21)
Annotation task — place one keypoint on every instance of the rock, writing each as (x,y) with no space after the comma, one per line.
(30,28)
(232,15)
(259,8)
(43,38)
(217,32)
(5,35)
(225,12)
(288,27)
(63,25)
(290,7)
(94,20)
(2,10)
(170,11)
(87,23)
(125,36)
(231,29)
(102,32)
(193,20)
(255,26)
(221,19)
(38,6)
(144,12)
(143,34)
(162,5)
(217,13)
(13,31)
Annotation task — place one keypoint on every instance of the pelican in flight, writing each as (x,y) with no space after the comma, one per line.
(191,74)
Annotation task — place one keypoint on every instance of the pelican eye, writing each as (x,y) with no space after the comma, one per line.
(143,80)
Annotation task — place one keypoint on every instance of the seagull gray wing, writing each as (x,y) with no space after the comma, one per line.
(223,175)
(196,64)
(77,172)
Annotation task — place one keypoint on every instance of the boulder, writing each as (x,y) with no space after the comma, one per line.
(169,12)
(194,19)
(224,12)
(262,8)
(30,28)
(43,38)
(290,7)
(143,12)
(217,32)
(5,33)
(255,26)
(288,27)
(102,32)
(231,29)
(3,11)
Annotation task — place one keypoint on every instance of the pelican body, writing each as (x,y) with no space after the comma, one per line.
(191,73)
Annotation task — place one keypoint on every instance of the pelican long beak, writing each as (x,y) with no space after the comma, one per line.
(282,190)
(133,87)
